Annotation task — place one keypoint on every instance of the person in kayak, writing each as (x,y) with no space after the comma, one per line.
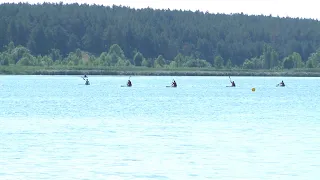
(129,83)
(87,82)
(233,84)
(174,84)
(282,83)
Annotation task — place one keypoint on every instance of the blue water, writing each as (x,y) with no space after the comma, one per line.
(55,127)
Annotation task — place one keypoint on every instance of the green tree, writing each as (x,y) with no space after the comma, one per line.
(298,63)
(218,62)
(26,60)
(314,59)
(46,61)
(173,64)
(115,56)
(10,47)
(137,59)
(270,57)
(293,61)
(123,62)
(288,62)
(103,59)
(4,59)
(248,64)
(200,63)
(74,58)
(55,54)
(309,64)
(159,62)
(179,60)
(116,50)
(146,62)
(17,53)
(228,64)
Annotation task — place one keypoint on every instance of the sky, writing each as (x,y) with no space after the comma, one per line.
(282,8)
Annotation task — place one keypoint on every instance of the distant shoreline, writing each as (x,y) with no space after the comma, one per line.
(12,70)
(181,73)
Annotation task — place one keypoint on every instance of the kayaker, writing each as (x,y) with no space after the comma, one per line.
(129,83)
(87,81)
(174,84)
(233,84)
(282,83)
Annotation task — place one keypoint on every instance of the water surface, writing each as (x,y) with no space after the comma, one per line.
(55,127)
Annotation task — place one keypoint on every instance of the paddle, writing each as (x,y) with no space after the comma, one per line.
(84,77)
(230,81)
(277,85)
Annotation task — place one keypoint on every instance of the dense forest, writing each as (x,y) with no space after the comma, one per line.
(59,34)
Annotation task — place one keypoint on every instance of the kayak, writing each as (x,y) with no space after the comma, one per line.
(230,86)
(172,86)
(125,86)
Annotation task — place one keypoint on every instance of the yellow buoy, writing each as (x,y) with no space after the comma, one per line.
(253,89)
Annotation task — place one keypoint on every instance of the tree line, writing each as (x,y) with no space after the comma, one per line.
(91,35)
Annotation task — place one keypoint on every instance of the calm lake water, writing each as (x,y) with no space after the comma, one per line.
(55,127)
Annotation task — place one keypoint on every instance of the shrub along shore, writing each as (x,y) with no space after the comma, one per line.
(35,70)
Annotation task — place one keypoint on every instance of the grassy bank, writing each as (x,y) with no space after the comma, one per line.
(55,70)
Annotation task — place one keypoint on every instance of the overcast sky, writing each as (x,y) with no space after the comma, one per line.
(283,8)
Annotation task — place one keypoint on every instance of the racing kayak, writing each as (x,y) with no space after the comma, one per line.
(172,86)
(230,86)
